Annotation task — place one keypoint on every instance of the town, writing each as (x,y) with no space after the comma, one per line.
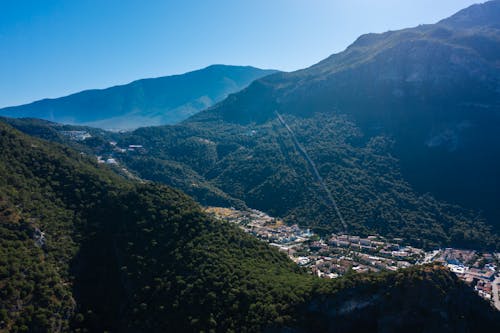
(338,254)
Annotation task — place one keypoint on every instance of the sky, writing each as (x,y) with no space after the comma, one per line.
(52,48)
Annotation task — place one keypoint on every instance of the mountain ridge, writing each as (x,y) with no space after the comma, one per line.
(403,158)
(161,100)
(434,90)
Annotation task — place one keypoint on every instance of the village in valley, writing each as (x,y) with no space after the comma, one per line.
(338,254)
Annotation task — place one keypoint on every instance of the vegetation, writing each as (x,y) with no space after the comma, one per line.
(122,256)
(260,165)
(115,250)
(83,249)
(406,146)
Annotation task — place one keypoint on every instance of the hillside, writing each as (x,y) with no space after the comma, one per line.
(403,128)
(432,89)
(147,102)
(262,166)
(83,249)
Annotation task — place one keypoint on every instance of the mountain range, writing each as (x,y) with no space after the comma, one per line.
(147,102)
(396,135)
(402,128)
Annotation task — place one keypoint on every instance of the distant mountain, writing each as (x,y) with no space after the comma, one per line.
(163,100)
(82,249)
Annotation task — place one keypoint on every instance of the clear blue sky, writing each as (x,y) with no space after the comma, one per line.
(50,48)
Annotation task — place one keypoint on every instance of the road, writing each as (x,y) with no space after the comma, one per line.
(495,292)
(320,180)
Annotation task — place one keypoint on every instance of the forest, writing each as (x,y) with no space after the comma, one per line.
(83,249)
(260,165)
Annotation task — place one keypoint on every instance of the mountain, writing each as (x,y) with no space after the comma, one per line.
(397,135)
(431,73)
(82,249)
(163,100)
(434,90)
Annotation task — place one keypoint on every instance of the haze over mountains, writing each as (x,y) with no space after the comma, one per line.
(147,102)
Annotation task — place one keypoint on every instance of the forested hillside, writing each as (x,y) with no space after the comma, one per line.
(82,249)
(432,90)
(261,165)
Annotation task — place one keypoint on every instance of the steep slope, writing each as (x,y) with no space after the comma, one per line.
(434,89)
(261,165)
(403,128)
(163,100)
(82,249)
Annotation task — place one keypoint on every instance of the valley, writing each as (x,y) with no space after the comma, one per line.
(336,255)
(82,248)
(359,194)
(226,166)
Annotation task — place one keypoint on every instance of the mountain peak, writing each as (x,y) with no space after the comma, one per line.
(476,16)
